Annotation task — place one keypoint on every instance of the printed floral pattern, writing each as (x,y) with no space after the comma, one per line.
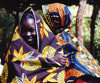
(4,74)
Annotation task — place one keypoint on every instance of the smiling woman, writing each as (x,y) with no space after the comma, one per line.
(33,53)
(28,30)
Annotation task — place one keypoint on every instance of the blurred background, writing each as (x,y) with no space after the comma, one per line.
(11,10)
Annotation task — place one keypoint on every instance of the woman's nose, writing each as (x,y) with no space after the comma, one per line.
(28,33)
(34,33)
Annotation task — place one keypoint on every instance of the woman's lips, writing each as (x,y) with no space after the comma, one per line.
(29,39)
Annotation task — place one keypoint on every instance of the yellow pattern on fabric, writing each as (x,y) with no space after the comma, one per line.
(14,80)
(19,56)
(60,77)
(33,80)
(70,81)
(53,69)
(8,53)
(26,80)
(60,40)
(16,35)
(58,7)
(4,74)
(67,62)
(74,39)
(38,82)
(46,26)
(84,55)
(43,31)
(90,57)
(48,51)
(50,78)
(80,48)
(32,65)
(73,72)
(59,43)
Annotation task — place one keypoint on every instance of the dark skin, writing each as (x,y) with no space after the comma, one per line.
(60,59)
(28,33)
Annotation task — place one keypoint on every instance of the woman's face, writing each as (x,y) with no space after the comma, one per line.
(28,32)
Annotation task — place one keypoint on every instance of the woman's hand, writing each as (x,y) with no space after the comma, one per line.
(60,59)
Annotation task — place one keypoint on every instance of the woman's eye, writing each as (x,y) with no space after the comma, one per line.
(31,30)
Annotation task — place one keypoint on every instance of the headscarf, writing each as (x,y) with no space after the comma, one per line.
(57,16)
(25,64)
(81,63)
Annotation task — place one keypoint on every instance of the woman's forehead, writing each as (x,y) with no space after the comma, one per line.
(29,20)
(28,23)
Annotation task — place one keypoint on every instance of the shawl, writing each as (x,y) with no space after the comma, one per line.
(79,62)
(25,64)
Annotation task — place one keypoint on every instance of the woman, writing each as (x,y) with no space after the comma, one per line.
(58,18)
(34,54)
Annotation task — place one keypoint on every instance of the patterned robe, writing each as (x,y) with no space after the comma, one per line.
(25,64)
(79,62)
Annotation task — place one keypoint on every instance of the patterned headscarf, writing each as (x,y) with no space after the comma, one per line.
(57,16)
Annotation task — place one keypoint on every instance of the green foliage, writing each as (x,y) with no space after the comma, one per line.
(6,27)
(73,25)
(41,13)
(86,29)
(6,20)
(97,35)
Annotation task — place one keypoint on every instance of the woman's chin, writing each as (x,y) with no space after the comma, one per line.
(29,42)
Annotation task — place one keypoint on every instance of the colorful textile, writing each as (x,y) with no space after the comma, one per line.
(80,61)
(24,64)
(56,17)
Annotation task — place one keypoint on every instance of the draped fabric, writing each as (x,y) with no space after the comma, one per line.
(57,16)
(79,62)
(25,64)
